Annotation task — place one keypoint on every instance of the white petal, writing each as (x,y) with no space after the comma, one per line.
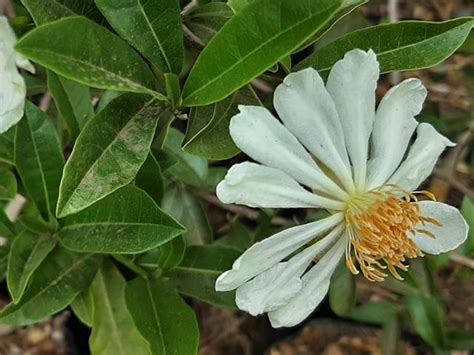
(315,286)
(351,83)
(256,185)
(421,159)
(7,44)
(12,99)
(308,111)
(276,286)
(262,137)
(394,125)
(449,236)
(263,255)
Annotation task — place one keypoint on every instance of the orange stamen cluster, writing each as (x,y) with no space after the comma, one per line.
(378,227)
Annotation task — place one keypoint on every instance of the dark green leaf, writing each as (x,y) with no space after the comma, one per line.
(428,319)
(8,185)
(467,210)
(238,237)
(206,20)
(173,89)
(152,27)
(125,222)
(109,152)
(7,147)
(162,317)
(30,217)
(54,284)
(113,331)
(406,45)
(187,209)
(391,336)
(460,340)
(82,307)
(26,254)
(39,159)
(374,312)
(207,134)
(92,55)
(172,253)
(189,168)
(149,178)
(73,101)
(250,43)
(196,275)
(342,291)
(44,11)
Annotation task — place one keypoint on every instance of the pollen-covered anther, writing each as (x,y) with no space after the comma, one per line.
(378,227)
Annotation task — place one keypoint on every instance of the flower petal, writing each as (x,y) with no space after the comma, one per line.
(449,236)
(12,99)
(256,185)
(276,286)
(394,125)
(263,255)
(421,159)
(315,286)
(351,83)
(262,137)
(308,111)
(7,44)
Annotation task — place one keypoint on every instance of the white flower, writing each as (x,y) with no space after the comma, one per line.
(349,158)
(12,85)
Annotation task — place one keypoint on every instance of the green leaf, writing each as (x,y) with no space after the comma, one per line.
(92,55)
(44,11)
(189,168)
(428,319)
(172,253)
(30,217)
(39,158)
(250,43)
(7,228)
(125,222)
(7,147)
(109,152)
(82,307)
(152,27)
(188,210)
(113,331)
(162,317)
(206,20)
(238,237)
(374,312)
(54,284)
(26,254)
(149,178)
(406,45)
(467,210)
(391,336)
(196,275)
(460,340)
(8,185)
(342,291)
(173,89)
(73,101)
(208,134)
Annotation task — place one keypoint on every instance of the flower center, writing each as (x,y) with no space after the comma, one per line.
(378,226)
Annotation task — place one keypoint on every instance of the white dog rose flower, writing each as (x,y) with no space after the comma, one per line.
(333,150)
(12,85)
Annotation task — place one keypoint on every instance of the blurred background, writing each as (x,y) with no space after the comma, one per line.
(388,318)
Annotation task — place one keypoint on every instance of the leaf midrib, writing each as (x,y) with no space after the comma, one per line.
(155,313)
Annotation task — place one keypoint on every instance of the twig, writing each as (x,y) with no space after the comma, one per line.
(192,36)
(45,101)
(461,259)
(454,182)
(242,211)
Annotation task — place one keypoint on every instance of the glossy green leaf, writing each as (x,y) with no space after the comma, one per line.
(7,147)
(149,178)
(44,11)
(113,331)
(162,317)
(39,158)
(428,319)
(206,20)
(188,210)
(73,101)
(92,55)
(54,284)
(172,253)
(82,307)
(196,275)
(109,152)
(152,27)
(208,134)
(26,254)
(189,168)
(125,222)
(342,291)
(8,185)
(250,43)
(406,45)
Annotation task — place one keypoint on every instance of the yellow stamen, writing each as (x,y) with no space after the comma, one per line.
(378,226)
